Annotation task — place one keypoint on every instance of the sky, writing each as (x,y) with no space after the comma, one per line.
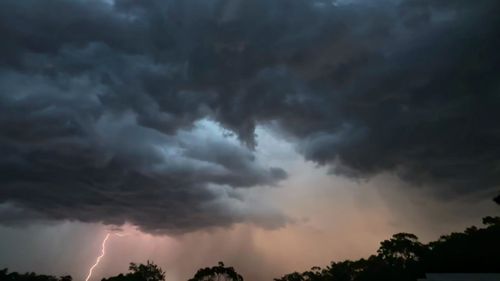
(273,135)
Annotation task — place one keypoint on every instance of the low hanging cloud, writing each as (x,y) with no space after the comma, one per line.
(104,105)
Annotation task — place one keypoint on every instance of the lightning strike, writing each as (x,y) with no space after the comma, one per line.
(103,252)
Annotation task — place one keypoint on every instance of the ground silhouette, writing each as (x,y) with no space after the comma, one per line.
(29,276)
(140,272)
(217,273)
(404,258)
(401,258)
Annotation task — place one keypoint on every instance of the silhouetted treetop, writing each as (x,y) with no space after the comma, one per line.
(217,273)
(402,247)
(29,276)
(140,272)
(400,258)
(404,258)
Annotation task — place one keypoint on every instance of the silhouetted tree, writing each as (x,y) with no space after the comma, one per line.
(401,258)
(401,248)
(140,272)
(474,250)
(404,258)
(217,273)
(295,276)
(30,276)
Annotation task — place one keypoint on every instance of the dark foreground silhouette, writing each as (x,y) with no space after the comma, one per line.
(146,272)
(404,258)
(401,258)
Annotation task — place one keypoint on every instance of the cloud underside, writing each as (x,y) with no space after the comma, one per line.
(145,111)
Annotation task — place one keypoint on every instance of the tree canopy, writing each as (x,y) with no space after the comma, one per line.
(140,272)
(217,273)
(404,258)
(401,258)
(29,276)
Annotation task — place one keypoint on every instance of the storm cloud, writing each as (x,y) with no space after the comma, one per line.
(145,111)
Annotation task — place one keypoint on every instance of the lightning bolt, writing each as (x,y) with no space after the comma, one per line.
(103,252)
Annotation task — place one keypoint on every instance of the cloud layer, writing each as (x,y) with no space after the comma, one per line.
(104,105)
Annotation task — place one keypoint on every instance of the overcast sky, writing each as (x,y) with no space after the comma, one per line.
(271,134)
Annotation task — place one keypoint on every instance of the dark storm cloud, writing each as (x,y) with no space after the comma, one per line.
(101,101)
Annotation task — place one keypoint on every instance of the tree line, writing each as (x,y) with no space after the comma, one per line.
(137,272)
(401,258)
